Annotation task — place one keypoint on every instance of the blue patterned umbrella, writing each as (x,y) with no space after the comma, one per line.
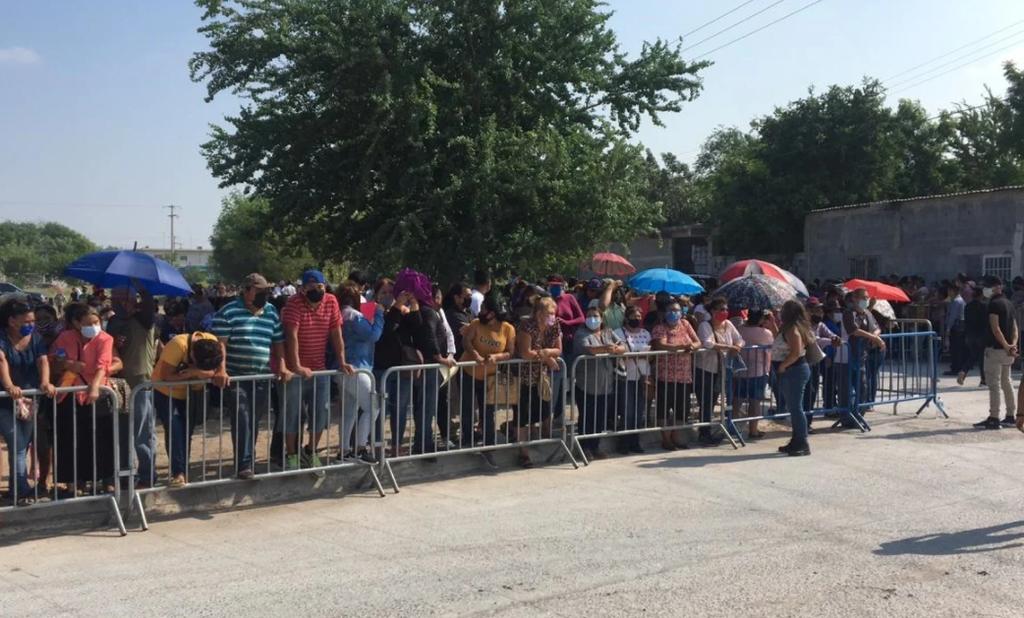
(757,292)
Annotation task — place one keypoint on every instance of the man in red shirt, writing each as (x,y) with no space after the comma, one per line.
(311,318)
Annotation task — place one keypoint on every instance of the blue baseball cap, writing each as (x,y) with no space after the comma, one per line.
(313,276)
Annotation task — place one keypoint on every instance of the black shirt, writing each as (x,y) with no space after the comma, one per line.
(976,320)
(1003,310)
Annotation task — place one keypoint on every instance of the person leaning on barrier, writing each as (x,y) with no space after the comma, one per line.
(716,333)
(862,336)
(538,340)
(249,328)
(187,357)
(750,383)
(674,373)
(595,378)
(487,341)
(23,366)
(635,379)
(1000,353)
(361,336)
(790,351)
(82,355)
(311,319)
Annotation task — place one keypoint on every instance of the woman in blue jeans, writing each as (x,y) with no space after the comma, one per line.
(789,350)
(23,366)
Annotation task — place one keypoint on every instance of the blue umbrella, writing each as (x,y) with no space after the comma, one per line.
(115,269)
(655,280)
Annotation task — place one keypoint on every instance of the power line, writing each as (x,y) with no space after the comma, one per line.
(728,28)
(953,51)
(913,78)
(753,32)
(959,66)
(725,14)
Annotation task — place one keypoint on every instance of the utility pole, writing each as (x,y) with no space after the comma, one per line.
(174,248)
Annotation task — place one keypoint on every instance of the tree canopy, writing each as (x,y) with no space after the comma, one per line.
(439,133)
(39,249)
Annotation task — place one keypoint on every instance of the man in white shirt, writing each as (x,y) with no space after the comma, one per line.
(481,286)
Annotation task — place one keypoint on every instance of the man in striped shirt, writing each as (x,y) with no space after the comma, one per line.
(311,318)
(250,329)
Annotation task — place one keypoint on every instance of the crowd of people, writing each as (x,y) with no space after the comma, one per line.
(219,336)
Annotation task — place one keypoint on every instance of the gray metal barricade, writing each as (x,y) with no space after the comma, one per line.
(907,370)
(83,445)
(615,394)
(251,404)
(477,407)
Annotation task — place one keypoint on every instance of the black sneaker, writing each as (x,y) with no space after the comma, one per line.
(1009,421)
(988,423)
(785,448)
(366,456)
(802,451)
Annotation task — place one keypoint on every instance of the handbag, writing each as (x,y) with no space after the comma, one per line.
(813,353)
(502,389)
(544,386)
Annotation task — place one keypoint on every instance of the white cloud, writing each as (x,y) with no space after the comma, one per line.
(18,55)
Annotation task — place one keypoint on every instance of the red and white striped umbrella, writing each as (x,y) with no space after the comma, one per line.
(760,267)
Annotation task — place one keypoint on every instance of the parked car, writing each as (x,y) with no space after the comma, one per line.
(9,290)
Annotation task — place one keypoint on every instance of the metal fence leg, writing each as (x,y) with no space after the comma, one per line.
(115,513)
(578,447)
(137,504)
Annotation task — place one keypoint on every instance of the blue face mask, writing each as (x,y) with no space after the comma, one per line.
(27,329)
(593,323)
(556,291)
(685,310)
(673,317)
(862,304)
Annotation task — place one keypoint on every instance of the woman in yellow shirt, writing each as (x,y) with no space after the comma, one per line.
(487,340)
(192,357)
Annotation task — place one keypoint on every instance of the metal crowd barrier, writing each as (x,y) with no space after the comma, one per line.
(247,403)
(616,394)
(77,439)
(501,406)
(906,371)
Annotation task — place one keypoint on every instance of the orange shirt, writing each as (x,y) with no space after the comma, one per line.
(96,353)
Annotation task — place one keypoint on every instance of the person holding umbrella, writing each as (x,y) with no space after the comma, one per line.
(249,328)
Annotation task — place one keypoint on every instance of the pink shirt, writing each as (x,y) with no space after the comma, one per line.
(675,367)
(96,353)
(758,361)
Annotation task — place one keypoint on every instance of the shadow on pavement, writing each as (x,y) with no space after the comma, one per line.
(910,435)
(974,541)
(700,461)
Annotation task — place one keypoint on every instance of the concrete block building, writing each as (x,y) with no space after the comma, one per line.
(975,232)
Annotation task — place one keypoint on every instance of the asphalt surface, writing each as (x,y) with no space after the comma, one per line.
(920,517)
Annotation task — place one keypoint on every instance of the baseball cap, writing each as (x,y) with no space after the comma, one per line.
(813,301)
(595,284)
(256,280)
(313,276)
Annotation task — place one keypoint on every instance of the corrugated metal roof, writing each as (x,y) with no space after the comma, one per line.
(920,197)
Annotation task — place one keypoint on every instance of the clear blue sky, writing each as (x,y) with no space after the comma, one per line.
(100,124)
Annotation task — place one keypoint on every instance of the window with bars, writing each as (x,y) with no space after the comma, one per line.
(864,267)
(998,265)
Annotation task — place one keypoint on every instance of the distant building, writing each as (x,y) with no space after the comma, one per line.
(198,258)
(935,237)
(686,248)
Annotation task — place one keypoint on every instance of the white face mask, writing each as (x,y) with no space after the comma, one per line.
(90,332)
(837,317)
(987,292)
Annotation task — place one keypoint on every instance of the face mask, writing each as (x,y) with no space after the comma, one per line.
(837,317)
(259,300)
(862,304)
(633,323)
(552,320)
(987,292)
(556,291)
(90,331)
(721,316)
(593,323)
(486,319)
(685,310)
(27,329)
(673,317)
(368,295)
(314,296)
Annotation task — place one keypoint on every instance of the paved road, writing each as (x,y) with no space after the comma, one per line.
(921,517)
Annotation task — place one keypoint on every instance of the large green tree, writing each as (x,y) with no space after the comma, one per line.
(39,250)
(246,239)
(444,134)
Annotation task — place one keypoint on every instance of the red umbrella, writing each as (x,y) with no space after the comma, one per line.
(878,291)
(760,267)
(611,265)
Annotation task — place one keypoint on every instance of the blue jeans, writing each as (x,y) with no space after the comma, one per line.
(792,383)
(145,439)
(179,422)
(17,434)
(245,403)
(313,394)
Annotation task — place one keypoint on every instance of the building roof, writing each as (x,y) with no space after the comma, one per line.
(920,197)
